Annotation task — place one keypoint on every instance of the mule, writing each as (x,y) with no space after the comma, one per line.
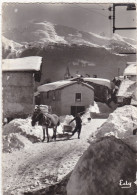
(46,120)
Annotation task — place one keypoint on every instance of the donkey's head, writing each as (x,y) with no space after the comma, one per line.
(35,117)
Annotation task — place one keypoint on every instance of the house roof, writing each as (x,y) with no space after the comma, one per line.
(99,81)
(126,88)
(131,69)
(31,63)
(58,85)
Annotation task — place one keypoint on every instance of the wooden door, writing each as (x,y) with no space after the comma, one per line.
(77,109)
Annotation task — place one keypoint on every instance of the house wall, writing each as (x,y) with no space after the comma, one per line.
(53,99)
(68,97)
(18,94)
(65,98)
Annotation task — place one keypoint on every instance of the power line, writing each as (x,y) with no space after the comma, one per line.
(91,10)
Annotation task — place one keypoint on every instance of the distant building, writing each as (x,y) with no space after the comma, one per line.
(127,93)
(131,71)
(19,76)
(67,97)
(67,74)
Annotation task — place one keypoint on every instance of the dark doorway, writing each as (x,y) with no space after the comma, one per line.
(77,109)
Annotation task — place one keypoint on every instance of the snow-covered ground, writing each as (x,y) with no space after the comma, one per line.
(29,164)
(32,165)
(42,164)
(110,158)
(19,133)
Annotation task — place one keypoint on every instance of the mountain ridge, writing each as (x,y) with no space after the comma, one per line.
(63,47)
(46,33)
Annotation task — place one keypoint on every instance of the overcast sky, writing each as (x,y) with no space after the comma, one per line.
(85,17)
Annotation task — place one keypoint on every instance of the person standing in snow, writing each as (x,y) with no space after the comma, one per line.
(78,125)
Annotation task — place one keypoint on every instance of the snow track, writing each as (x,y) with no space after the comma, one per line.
(44,164)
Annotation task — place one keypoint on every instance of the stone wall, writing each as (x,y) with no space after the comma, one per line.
(18,94)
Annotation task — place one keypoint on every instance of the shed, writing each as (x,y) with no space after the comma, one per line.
(67,97)
(102,87)
(18,82)
(127,92)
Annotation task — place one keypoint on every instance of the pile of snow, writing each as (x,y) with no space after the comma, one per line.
(101,167)
(19,133)
(100,110)
(131,69)
(23,126)
(126,89)
(120,124)
(11,143)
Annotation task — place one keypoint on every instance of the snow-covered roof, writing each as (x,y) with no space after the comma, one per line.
(58,85)
(99,81)
(31,63)
(36,93)
(126,88)
(54,85)
(131,69)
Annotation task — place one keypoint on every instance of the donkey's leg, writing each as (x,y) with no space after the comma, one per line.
(47,134)
(54,132)
(43,134)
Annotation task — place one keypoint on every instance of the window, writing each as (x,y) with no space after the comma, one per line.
(78,97)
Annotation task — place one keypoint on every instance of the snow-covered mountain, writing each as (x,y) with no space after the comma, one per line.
(47,33)
(10,48)
(62,46)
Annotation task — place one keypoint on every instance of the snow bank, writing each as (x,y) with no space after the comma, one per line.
(120,124)
(19,133)
(98,110)
(11,143)
(24,127)
(101,167)
(131,69)
(14,142)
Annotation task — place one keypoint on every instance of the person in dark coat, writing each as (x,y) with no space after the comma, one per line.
(78,125)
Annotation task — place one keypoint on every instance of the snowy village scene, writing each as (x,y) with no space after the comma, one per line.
(69,116)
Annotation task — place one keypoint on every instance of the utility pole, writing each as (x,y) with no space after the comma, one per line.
(130,7)
(113,18)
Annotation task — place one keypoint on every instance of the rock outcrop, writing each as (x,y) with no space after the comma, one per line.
(100,169)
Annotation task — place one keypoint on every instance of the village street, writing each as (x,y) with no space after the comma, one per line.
(43,164)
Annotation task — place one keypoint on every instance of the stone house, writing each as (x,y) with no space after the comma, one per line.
(18,82)
(127,92)
(67,97)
